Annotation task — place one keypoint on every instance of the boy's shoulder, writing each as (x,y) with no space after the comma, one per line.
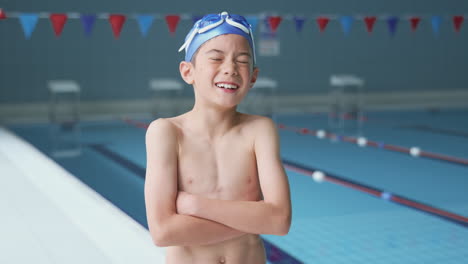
(258,123)
(161,123)
(253,124)
(162,126)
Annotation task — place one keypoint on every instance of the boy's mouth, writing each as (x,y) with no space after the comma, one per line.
(227,86)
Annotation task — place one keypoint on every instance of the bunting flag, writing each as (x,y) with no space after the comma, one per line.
(266,25)
(28,22)
(414,23)
(117,22)
(322,23)
(392,25)
(370,21)
(2,14)
(274,22)
(457,23)
(58,22)
(253,21)
(145,22)
(270,24)
(436,21)
(172,22)
(88,23)
(346,23)
(299,22)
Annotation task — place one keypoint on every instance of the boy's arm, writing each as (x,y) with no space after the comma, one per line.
(270,216)
(168,228)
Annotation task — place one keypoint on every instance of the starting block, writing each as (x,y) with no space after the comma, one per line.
(164,93)
(64,118)
(346,104)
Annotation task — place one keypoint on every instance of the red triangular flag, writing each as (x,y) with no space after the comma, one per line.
(117,22)
(58,22)
(414,23)
(322,23)
(274,22)
(370,21)
(2,14)
(172,22)
(457,22)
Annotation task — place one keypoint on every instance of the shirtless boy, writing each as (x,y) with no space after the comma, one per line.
(214,178)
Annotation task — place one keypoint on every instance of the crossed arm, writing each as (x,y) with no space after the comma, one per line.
(180,218)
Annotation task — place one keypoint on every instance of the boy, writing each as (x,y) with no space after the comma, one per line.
(214,178)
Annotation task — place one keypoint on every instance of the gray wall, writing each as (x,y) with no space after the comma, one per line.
(110,69)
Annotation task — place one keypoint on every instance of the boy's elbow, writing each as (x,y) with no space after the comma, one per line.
(284,223)
(159,236)
(159,240)
(284,227)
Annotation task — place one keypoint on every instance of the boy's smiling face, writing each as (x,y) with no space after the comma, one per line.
(222,71)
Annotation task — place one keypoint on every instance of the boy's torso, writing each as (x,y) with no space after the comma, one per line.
(225,169)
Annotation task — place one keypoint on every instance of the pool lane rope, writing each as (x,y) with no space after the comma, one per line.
(320,176)
(363,142)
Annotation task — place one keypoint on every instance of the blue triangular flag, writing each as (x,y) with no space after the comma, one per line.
(253,21)
(195,18)
(346,23)
(28,22)
(145,21)
(392,24)
(299,22)
(88,22)
(436,21)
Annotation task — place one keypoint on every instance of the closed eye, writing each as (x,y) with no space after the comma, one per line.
(243,58)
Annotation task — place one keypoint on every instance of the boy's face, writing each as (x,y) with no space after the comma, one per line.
(221,63)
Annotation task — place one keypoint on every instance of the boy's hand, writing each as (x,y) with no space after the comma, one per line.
(185,203)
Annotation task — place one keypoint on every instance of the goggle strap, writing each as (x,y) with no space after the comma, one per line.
(190,38)
(253,45)
(238,25)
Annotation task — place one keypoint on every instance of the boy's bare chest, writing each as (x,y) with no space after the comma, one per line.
(226,169)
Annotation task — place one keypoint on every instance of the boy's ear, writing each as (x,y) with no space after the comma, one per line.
(253,79)
(186,71)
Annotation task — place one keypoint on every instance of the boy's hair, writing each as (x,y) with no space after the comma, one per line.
(213,25)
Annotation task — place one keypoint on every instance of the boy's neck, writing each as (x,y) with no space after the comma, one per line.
(213,122)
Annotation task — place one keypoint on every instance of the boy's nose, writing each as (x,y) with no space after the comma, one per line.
(229,68)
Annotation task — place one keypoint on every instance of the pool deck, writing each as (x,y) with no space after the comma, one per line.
(48,216)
